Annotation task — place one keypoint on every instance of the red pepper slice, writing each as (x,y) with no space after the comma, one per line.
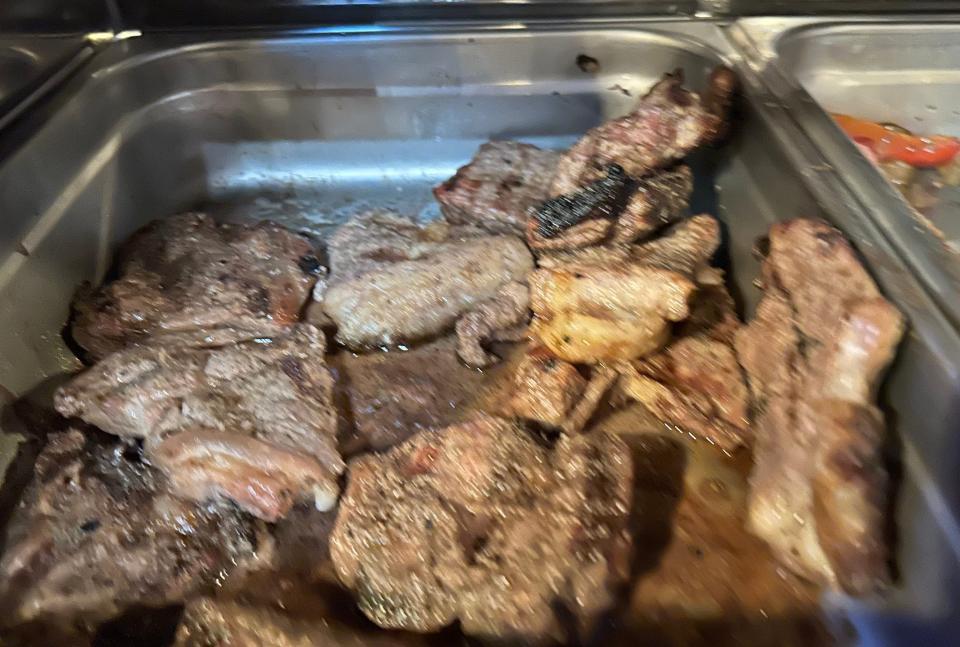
(892,145)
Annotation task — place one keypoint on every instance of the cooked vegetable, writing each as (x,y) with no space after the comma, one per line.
(893,143)
(899,173)
(950,173)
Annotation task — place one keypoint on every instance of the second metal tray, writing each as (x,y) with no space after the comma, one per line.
(897,70)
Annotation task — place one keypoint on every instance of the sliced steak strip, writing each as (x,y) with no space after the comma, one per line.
(665,125)
(393,282)
(94,534)
(814,355)
(477,522)
(498,186)
(253,422)
(199,281)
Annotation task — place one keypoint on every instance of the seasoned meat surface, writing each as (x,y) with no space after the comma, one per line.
(497,187)
(665,125)
(95,533)
(546,388)
(657,201)
(192,279)
(814,352)
(209,622)
(696,383)
(429,532)
(621,310)
(500,318)
(391,396)
(600,200)
(393,282)
(252,422)
(687,247)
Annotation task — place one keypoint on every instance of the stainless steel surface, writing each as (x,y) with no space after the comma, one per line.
(218,14)
(887,70)
(309,130)
(56,16)
(31,65)
(822,7)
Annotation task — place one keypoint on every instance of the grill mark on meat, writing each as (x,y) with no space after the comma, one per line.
(497,187)
(600,199)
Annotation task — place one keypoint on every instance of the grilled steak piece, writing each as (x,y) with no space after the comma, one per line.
(814,354)
(393,282)
(391,396)
(432,530)
(190,278)
(501,318)
(594,312)
(614,210)
(603,198)
(209,622)
(696,382)
(686,248)
(666,124)
(657,201)
(546,388)
(95,533)
(252,422)
(498,186)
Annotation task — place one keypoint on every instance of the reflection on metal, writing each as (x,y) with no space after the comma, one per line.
(31,66)
(54,16)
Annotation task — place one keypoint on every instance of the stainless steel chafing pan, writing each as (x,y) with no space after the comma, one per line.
(308,129)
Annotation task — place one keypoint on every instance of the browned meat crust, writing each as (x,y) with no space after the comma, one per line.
(658,201)
(814,354)
(497,187)
(94,534)
(431,531)
(253,422)
(199,281)
(504,317)
(612,211)
(393,282)
(546,388)
(666,124)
